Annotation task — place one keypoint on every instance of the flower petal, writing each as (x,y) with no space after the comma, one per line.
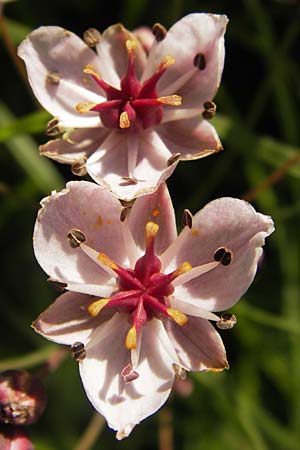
(67,320)
(80,143)
(125,404)
(91,209)
(226,222)
(198,345)
(192,35)
(192,138)
(114,57)
(53,50)
(109,166)
(158,208)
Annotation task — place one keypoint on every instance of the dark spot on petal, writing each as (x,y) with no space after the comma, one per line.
(159,31)
(199,61)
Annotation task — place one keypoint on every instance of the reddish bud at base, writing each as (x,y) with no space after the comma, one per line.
(22,397)
(14,438)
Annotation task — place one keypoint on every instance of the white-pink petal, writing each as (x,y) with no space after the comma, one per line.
(198,345)
(96,213)
(192,35)
(67,320)
(125,404)
(226,222)
(109,167)
(54,50)
(157,208)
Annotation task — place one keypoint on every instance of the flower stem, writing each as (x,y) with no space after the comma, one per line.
(91,433)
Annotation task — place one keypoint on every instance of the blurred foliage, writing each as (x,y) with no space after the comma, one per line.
(255,405)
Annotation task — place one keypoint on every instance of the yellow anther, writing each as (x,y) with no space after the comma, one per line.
(172,100)
(124,121)
(131,46)
(96,307)
(85,107)
(91,70)
(166,62)
(130,341)
(180,318)
(151,231)
(106,261)
(183,268)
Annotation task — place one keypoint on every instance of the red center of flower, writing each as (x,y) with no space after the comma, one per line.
(143,291)
(135,105)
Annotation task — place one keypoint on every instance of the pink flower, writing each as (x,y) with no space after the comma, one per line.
(14,438)
(128,118)
(139,299)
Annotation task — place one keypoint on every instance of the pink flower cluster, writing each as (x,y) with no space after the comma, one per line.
(137,300)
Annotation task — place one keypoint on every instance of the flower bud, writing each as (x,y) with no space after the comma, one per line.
(14,438)
(22,397)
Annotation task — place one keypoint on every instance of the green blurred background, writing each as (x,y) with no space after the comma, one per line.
(255,405)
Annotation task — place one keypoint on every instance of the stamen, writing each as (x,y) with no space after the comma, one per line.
(129,374)
(75,237)
(78,351)
(159,32)
(209,111)
(91,70)
(92,37)
(85,107)
(173,159)
(183,268)
(151,231)
(79,167)
(130,180)
(131,47)
(187,218)
(106,261)
(125,213)
(180,372)
(178,317)
(223,255)
(130,341)
(199,61)
(53,78)
(124,121)
(52,128)
(166,62)
(96,307)
(227,321)
(172,100)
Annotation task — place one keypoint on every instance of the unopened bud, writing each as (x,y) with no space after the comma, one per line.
(14,438)
(22,397)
